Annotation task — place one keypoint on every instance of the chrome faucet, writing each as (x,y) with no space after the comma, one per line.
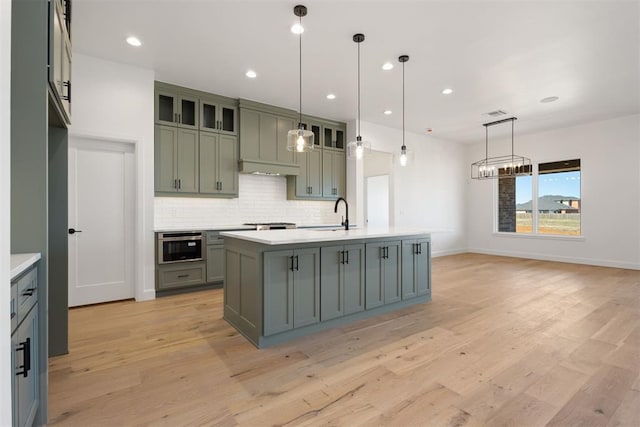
(346,205)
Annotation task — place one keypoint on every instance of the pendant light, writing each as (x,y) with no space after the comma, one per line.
(358,149)
(501,166)
(404,153)
(300,139)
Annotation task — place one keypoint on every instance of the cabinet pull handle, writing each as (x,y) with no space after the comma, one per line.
(220,185)
(386,252)
(175,117)
(291,267)
(347,252)
(28,292)
(341,257)
(179,118)
(179,183)
(25,348)
(183,276)
(297,264)
(420,248)
(67,84)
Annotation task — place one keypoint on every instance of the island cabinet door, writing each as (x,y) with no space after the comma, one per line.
(306,287)
(278,291)
(374,280)
(353,278)
(423,266)
(331,289)
(392,273)
(409,279)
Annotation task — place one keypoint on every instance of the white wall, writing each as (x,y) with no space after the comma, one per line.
(610,190)
(261,199)
(115,102)
(5,209)
(429,192)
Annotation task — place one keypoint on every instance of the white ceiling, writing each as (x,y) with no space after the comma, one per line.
(494,55)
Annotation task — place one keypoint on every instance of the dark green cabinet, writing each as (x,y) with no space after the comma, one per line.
(172,108)
(218,157)
(215,263)
(291,289)
(308,183)
(383,274)
(416,256)
(342,280)
(333,174)
(176,160)
(218,116)
(264,136)
(60,55)
(334,136)
(181,275)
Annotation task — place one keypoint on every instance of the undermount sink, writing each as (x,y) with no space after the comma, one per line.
(332,229)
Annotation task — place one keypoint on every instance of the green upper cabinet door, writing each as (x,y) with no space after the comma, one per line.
(176,160)
(60,55)
(334,169)
(334,136)
(416,277)
(217,116)
(175,109)
(284,125)
(218,164)
(308,183)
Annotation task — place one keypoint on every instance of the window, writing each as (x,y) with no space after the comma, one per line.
(557,208)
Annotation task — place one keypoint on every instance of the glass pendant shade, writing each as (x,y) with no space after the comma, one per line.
(358,149)
(405,156)
(300,140)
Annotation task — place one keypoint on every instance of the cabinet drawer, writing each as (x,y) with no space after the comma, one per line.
(177,277)
(13,308)
(27,293)
(214,238)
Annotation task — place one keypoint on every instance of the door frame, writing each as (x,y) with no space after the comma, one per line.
(138,205)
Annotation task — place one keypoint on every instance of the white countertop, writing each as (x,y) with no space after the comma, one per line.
(20,262)
(227,227)
(306,235)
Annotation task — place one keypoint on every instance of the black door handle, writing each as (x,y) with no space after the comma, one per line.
(73,231)
(25,348)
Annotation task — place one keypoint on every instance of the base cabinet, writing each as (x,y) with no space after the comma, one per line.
(25,383)
(342,286)
(416,256)
(215,263)
(291,289)
(383,275)
(181,276)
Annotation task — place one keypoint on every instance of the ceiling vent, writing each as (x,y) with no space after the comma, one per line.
(496,113)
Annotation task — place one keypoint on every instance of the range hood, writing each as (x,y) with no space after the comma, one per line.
(262,167)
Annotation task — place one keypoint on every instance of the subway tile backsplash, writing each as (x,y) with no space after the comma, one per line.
(262,199)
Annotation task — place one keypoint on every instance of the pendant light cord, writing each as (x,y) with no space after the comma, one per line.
(300,63)
(512,140)
(403,105)
(486,144)
(358,88)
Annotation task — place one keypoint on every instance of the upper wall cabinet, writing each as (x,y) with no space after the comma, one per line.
(334,136)
(176,109)
(60,56)
(218,116)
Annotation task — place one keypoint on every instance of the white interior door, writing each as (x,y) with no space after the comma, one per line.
(377,195)
(102,211)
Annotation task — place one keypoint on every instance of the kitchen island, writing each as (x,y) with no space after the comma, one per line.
(284,284)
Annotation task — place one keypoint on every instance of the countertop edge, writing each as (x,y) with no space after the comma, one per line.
(310,236)
(21,262)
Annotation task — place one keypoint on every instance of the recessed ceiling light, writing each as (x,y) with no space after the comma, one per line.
(429,130)
(447,91)
(387,66)
(331,96)
(388,112)
(549,99)
(251,74)
(297,28)
(134,41)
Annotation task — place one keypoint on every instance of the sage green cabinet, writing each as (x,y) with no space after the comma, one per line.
(383,273)
(264,136)
(172,108)
(176,160)
(218,166)
(60,55)
(342,280)
(334,170)
(416,256)
(218,116)
(175,276)
(215,263)
(334,136)
(308,183)
(291,289)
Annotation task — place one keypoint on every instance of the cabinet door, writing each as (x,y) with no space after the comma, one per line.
(339,174)
(26,369)
(208,115)
(302,181)
(306,287)
(392,274)
(187,161)
(340,138)
(180,275)
(209,183)
(228,164)
(215,263)
(228,119)
(66,76)
(284,126)
(314,172)
(422,266)
(166,140)
(249,134)
(188,112)
(55,61)
(409,282)
(374,280)
(278,292)
(268,138)
(327,173)
(353,279)
(329,137)
(166,108)
(331,283)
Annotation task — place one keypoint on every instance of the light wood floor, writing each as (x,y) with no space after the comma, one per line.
(505,341)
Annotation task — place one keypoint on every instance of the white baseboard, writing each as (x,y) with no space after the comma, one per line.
(436,254)
(147,295)
(556,258)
